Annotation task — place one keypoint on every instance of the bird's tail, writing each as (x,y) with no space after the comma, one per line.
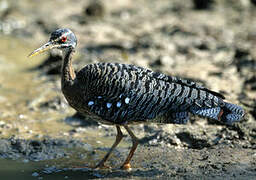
(227,114)
(231,113)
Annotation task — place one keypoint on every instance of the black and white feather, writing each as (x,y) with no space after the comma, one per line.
(123,94)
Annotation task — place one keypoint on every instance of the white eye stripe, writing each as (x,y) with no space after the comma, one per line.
(63,35)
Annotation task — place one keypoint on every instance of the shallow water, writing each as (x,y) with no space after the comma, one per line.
(213,47)
(21,90)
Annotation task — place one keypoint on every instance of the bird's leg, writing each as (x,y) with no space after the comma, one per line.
(119,137)
(135,142)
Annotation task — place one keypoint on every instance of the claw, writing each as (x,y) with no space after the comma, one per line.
(126,167)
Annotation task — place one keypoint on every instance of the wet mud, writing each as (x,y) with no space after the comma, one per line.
(212,42)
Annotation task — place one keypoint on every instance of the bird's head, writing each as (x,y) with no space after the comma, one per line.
(60,39)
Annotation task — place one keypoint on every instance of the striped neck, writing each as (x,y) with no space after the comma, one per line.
(68,75)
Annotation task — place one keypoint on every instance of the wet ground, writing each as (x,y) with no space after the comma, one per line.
(213,43)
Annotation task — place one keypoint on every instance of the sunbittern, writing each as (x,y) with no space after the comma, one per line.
(122,94)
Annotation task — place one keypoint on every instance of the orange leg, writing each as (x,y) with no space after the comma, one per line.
(119,137)
(135,143)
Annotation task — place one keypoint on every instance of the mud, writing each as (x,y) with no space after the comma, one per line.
(213,43)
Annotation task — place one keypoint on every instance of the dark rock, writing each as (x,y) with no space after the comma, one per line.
(37,145)
(202,46)
(55,104)
(94,9)
(250,83)
(156,63)
(203,4)
(244,61)
(241,53)
(192,141)
(253,2)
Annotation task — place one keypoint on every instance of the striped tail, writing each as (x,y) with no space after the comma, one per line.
(227,114)
(231,113)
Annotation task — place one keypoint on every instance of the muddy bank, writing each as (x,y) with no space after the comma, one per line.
(212,43)
(236,162)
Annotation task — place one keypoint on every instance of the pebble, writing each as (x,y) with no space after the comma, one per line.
(21,116)
(2,123)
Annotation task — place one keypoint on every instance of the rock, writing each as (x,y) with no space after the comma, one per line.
(95,9)
(203,4)
(253,2)
(244,61)
(55,104)
(192,141)
(250,83)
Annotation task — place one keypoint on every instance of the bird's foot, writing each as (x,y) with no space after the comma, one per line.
(126,167)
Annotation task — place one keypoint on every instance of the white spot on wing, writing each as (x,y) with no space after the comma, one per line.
(118,104)
(99,97)
(90,103)
(109,105)
(127,100)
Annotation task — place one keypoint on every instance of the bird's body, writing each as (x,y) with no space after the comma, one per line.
(121,94)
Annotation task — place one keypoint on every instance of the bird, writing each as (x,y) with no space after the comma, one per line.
(125,94)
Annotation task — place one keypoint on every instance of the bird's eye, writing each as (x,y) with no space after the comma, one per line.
(64,39)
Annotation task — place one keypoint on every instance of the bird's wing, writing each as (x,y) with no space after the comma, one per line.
(127,106)
(124,93)
(184,82)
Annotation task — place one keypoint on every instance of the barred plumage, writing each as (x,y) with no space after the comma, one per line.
(122,94)
(152,96)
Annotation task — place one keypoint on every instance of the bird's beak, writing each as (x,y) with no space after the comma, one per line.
(49,45)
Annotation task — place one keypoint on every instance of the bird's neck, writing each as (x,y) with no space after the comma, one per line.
(68,74)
